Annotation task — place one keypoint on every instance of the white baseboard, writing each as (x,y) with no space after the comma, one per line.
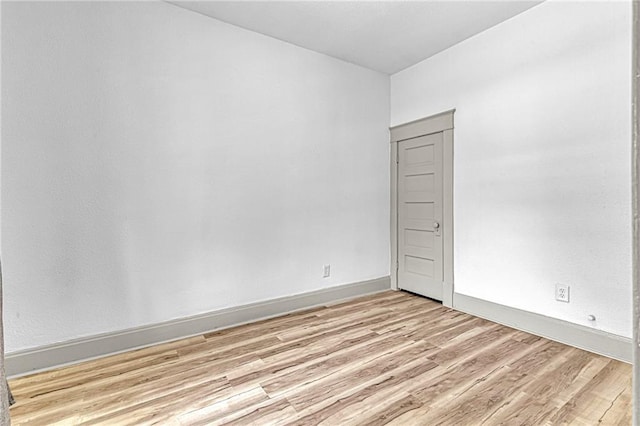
(74,351)
(579,336)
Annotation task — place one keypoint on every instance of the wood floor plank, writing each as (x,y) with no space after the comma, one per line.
(236,402)
(361,372)
(459,378)
(99,366)
(548,392)
(619,413)
(356,354)
(378,316)
(590,402)
(422,316)
(479,402)
(264,413)
(161,407)
(384,390)
(465,347)
(384,415)
(388,358)
(89,377)
(300,359)
(262,327)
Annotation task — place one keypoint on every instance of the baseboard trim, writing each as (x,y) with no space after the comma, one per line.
(78,350)
(579,336)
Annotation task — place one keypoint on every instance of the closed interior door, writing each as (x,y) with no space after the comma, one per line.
(420,243)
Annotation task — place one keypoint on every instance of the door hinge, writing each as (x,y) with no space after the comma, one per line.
(397,160)
(397,265)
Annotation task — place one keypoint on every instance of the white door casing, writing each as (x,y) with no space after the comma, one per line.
(422,207)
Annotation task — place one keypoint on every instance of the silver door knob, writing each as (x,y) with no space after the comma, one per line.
(436,225)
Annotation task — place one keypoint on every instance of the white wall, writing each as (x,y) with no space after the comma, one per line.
(542,158)
(158,164)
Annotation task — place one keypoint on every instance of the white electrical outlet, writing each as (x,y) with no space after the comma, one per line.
(326,271)
(562,293)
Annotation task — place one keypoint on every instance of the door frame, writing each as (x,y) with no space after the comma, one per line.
(442,122)
(635,182)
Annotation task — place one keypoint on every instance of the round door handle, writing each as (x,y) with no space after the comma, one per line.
(436,225)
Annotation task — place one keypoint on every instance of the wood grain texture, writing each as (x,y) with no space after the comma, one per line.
(389,358)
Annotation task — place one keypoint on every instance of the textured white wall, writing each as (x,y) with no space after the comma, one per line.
(542,158)
(158,164)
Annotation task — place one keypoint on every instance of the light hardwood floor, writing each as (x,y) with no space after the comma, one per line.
(390,358)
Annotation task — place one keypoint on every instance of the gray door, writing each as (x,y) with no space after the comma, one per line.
(420,266)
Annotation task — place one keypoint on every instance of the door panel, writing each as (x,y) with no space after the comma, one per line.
(420,266)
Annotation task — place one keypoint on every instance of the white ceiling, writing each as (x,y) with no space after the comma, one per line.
(386,36)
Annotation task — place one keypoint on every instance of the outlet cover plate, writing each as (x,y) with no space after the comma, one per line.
(562,293)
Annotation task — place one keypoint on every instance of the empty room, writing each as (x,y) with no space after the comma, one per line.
(318,212)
